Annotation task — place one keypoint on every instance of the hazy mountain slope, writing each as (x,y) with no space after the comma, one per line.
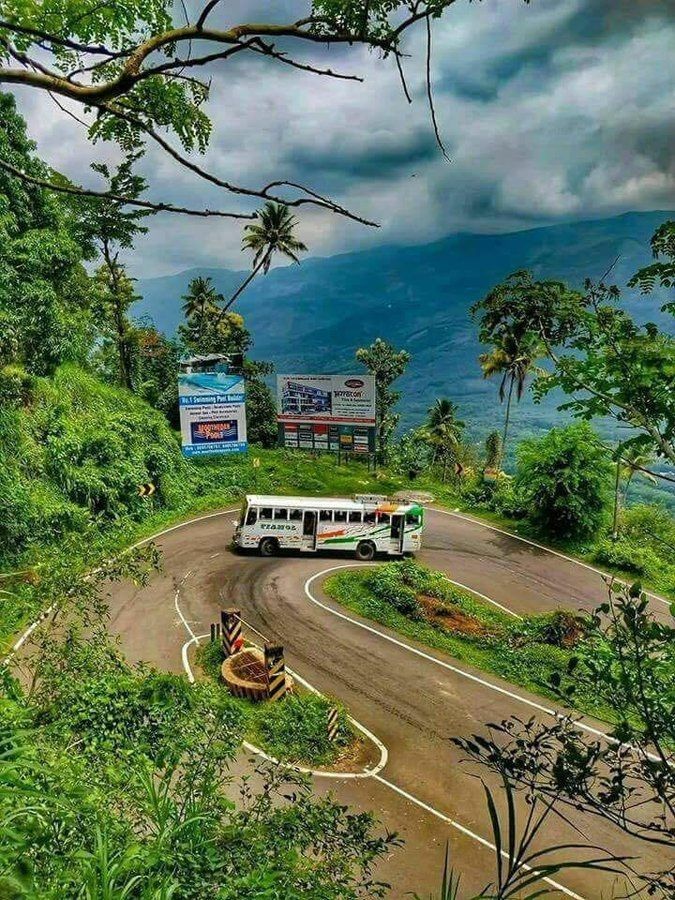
(311,317)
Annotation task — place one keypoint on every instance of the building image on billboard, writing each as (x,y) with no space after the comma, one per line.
(302,399)
(327,412)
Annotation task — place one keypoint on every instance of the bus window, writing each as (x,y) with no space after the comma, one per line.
(326,515)
(266,512)
(280,514)
(412,519)
(340,515)
(295,515)
(369,518)
(384,518)
(252,516)
(354,516)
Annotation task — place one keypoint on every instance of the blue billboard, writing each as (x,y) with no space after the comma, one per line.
(212,413)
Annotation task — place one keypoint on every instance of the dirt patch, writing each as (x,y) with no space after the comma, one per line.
(451,617)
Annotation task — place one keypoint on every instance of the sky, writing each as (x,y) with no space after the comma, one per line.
(550,111)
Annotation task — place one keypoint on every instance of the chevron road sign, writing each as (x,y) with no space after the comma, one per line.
(146,490)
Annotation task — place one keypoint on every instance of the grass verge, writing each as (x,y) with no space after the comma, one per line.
(294,729)
(424,606)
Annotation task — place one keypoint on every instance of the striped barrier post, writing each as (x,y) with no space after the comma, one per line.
(275,667)
(230,621)
(332,723)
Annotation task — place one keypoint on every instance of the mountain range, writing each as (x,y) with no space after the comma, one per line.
(310,318)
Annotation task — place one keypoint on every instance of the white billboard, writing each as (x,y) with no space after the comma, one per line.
(324,399)
(212,413)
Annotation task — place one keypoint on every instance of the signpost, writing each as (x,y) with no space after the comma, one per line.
(212,407)
(327,412)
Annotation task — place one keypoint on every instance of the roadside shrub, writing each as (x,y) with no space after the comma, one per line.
(15,386)
(565,480)
(387,584)
(562,628)
(622,554)
(296,728)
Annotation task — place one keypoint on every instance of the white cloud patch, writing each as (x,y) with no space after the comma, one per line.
(557,109)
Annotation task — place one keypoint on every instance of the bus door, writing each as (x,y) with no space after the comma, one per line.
(309,522)
(396,534)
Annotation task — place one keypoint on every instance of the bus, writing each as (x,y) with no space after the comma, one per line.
(366,525)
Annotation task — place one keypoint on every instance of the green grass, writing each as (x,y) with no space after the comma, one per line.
(523,652)
(293,729)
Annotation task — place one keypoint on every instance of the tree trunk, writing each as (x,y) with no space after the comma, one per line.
(507,417)
(120,323)
(242,287)
(617,485)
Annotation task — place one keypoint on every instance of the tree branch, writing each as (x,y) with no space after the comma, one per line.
(74,190)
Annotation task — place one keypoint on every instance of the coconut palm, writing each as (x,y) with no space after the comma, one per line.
(633,460)
(271,233)
(444,429)
(200,300)
(514,358)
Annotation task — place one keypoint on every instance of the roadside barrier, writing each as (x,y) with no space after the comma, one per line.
(332,723)
(230,621)
(275,666)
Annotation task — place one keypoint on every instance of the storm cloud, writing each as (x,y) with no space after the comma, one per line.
(556,110)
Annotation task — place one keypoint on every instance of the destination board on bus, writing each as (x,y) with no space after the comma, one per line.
(327,412)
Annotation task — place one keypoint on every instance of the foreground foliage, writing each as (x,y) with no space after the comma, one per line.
(115,782)
(628,780)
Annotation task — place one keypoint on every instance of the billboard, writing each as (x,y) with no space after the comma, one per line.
(212,413)
(327,412)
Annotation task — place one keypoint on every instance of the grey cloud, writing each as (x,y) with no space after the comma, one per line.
(560,109)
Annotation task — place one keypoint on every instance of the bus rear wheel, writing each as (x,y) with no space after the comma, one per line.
(365,551)
(268,546)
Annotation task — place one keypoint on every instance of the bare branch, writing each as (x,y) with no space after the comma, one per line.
(210,6)
(312,196)
(430,96)
(404,85)
(74,190)
(259,46)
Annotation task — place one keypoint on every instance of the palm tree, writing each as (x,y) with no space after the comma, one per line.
(514,358)
(444,429)
(200,300)
(271,233)
(634,459)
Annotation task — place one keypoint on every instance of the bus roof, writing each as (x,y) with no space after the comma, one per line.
(329,502)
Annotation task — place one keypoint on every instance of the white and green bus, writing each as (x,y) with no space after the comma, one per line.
(364,526)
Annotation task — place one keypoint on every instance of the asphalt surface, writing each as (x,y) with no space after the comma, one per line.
(414,703)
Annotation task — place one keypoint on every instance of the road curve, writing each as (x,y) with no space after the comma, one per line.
(410,701)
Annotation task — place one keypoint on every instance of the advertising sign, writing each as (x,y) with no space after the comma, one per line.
(212,413)
(327,412)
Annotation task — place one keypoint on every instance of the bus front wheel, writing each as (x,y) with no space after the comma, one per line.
(365,551)
(268,546)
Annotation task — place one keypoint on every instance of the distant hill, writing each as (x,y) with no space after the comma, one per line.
(311,318)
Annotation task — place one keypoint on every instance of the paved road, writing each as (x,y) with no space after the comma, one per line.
(413,703)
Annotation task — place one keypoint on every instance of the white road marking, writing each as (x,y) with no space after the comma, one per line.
(483,597)
(517,537)
(367,773)
(466,831)
(556,714)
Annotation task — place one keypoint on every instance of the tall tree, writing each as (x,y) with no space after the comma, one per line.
(513,357)
(606,362)
(108,227)
(387,364)
(44,288)
(200,305)
(445,431)
(272,233)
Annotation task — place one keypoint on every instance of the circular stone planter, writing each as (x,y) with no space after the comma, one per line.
(245,676)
